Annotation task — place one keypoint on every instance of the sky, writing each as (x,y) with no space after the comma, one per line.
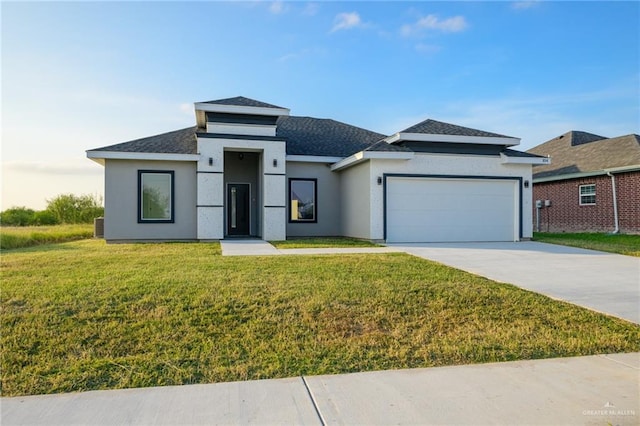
(82,75)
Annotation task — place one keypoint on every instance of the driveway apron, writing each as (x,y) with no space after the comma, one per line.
(604,282)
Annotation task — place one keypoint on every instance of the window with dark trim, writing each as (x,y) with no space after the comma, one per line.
(155,196)
(303,195)
(588,194)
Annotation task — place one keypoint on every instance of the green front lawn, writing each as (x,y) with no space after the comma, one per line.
(618,243)
(322,242)
(85,315)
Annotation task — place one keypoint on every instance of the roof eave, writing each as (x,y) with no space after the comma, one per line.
(241,109)
(100,156)
(613,170)
(361,156)
(506,159)
(429,137)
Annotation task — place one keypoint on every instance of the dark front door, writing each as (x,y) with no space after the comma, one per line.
(238,209)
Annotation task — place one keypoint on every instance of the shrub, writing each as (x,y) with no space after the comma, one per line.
(69,208)
(45,217)
(17,216)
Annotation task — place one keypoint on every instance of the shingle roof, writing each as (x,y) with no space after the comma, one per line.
(570,155)
(513,153)
(323,137)
(181,141)
(576,137)
(383,146)
(304,136)
(434,127)
(242,101)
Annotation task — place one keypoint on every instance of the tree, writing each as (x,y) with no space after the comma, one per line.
(69,208)
(17,216)
(45,217)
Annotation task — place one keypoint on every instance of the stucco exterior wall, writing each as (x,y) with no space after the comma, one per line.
(355,201)
(270,190)
(121,201)
(328,202)
(442,164)
(244,170)
(567,215)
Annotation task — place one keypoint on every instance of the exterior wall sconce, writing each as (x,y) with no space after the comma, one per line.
(210,161)
(526,183)
(379,180)
(275,162)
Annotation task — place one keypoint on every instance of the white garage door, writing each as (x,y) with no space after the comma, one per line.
(450,210)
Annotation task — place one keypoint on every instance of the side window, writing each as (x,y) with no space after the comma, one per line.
(303,195)
(588,194)
(155,196)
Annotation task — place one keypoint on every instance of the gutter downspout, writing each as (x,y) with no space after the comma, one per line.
(615,202)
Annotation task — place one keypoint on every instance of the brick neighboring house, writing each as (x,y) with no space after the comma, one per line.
(592,184)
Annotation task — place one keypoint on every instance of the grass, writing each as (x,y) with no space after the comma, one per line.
(85,315)
(619,243)
(322,242)
(28,236)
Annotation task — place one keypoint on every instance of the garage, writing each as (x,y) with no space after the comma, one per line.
(436,209)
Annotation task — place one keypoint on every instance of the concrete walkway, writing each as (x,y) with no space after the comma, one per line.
(604,282)
(583,390)
(245,247)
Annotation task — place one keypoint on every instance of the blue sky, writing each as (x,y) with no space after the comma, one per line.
(77,75)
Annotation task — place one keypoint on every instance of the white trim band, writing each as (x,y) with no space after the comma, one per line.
(427,137)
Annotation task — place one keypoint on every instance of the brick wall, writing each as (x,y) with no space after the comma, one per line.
(567,215)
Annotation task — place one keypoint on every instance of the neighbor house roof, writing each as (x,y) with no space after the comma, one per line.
(241,101)
(579,152)
(434,127)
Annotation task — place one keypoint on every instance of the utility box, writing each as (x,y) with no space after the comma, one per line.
(547,203)
(538,204)
(98,227)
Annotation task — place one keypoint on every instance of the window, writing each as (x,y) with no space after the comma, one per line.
(587,194)
(302,200)
(155,196)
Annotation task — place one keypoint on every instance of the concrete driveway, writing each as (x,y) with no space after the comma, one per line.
(604,282)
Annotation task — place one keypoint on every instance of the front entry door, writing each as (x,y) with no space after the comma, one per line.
(238,220)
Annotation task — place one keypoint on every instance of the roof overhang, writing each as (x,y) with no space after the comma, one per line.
(100,156)
(524,160)
(202,107)
(614,170)
(361,156)
(238,109)
(313,159)
(428,137)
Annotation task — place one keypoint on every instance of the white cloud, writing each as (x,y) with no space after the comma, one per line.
(535,118)
(277,7)
(310,9)
(346,21)
(186,108)
(82,167)
(428,48)
(521,5)
(454,24)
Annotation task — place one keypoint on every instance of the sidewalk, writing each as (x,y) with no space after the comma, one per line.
(245,247)
(600,389)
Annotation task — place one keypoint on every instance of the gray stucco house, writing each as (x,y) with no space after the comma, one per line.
(250,169)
